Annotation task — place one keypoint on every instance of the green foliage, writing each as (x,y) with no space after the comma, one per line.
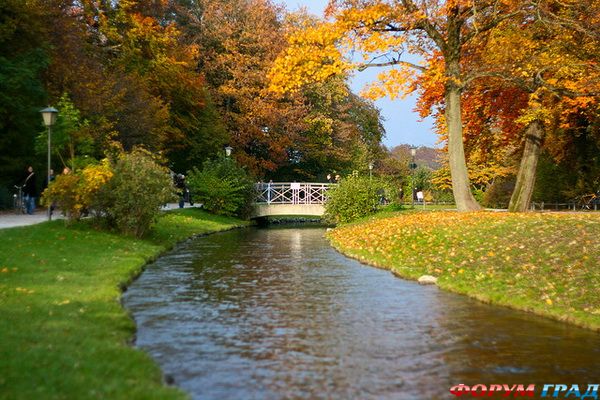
(132,199)
(478,194)
(422,178)
(23,59)
(70,135)
(6,198)
(443,196)
(21,94)
(356,197)
(222,186)
(499,192)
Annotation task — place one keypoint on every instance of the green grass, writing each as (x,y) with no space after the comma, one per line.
(63,331)
(542,263)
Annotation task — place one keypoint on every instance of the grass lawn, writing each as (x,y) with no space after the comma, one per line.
(63,332)
(548,264)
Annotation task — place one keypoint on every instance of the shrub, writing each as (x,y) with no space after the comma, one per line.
(76,192)
(6,198)
(356,197)
(132,199)
(499,192)
(223,187)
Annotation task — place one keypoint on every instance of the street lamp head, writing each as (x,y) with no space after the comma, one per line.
(413,151)
(371,165)
(228,150)
(49,115)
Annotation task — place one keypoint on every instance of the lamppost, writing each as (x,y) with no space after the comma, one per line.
(413,166)
(49,115)
(370,171)
(228,150)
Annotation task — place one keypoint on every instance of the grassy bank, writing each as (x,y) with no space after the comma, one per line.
(63,332)
(543,263)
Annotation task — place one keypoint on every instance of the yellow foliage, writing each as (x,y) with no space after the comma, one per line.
(317,51)
(75,192)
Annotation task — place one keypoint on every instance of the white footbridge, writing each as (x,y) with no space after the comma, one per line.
(290,198)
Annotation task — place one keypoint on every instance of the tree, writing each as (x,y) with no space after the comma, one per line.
(238,41)
(542,69)
(23,60)
(128,70)
(343,133)
(295,136)
(383,33)
(70,135)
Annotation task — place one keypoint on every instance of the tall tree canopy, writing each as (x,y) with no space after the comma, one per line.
(182,78)
(534,52)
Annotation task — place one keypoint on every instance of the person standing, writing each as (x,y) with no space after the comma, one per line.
(181,189)
(269,191)
(420,197)
(30,191)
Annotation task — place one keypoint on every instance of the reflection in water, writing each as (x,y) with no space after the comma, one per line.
(276,313)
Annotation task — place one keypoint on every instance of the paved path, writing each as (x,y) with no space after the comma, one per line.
(11,220)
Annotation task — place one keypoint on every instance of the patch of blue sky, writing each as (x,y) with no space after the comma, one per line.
(402,124)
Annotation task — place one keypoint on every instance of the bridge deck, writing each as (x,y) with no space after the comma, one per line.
(290,198)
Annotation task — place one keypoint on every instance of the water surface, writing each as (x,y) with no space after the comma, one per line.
(278,314)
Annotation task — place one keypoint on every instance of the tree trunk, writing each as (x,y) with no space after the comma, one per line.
(521,197)
(461,187)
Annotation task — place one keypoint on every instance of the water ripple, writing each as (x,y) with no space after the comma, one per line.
(277,314)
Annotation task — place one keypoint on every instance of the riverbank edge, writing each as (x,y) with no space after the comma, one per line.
(476,296)
(170,237)
(137,272)
(124,285)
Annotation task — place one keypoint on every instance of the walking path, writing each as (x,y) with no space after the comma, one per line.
(11,220)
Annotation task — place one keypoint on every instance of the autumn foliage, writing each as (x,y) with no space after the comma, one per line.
(493,73)
(181,79)
(537,262)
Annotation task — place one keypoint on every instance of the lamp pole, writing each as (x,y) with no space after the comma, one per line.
(49,115)
(413,166)
(371,171)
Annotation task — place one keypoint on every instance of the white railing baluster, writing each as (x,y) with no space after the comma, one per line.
(292,193)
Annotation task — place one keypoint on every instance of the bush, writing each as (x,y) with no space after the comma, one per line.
(499,192)
(76,192)
(443,196)
(6,198)
(132,199)
(223,187)
(356,197)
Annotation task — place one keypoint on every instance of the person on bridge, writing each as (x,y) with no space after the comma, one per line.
(269,191)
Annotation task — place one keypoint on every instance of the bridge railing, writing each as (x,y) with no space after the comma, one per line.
(292,193)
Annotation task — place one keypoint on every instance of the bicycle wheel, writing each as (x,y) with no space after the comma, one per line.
(19,205)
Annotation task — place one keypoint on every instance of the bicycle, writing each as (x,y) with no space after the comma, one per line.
(18,201)
(589,201)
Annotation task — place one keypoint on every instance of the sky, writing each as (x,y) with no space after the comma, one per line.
(402,124)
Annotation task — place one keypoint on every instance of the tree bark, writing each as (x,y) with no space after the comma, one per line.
(461,187)
(521,196)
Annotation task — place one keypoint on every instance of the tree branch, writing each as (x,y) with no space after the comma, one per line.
(392,62)
(426,25)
